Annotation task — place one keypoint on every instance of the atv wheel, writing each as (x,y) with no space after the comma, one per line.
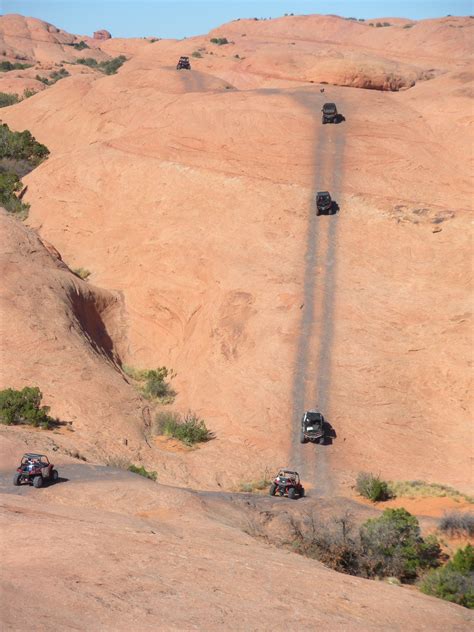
(272,489)
(54,476)
(302,492)
(292,493)
(38,481)
(302,438)
(17,479)
(322,441)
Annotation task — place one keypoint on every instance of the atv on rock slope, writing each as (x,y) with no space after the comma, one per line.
(312,427)
(35,469)
(183,64)
(287,483)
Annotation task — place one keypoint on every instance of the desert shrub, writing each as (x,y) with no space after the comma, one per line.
(10,184)
(118,461)
(393,546)
(27,93)
(87,61)
(21,146)
(335,543)
(142,472)
(7,99)
(24,407)
(457,523)
(6,66)
(220,41)
(155,384)
(453,582)
(57,75)
(388,546)
(450,585)
(82,273)
(263,482)
(19,153)
(188,428)
(109,67)
(416,489)
(463,560)
(152,382)
(17,167)
(196,53)
(372,487)
(80,45)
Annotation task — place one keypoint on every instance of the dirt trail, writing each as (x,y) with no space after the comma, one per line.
(313,371)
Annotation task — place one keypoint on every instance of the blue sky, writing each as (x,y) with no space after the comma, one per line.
(181,18)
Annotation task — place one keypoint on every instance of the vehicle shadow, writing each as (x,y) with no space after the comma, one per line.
(332,211)
(329,433)
(61,479)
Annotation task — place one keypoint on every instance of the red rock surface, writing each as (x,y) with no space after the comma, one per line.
(102,35)
(190,198)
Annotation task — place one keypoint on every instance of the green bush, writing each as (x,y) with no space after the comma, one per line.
(80,45)
(23,407)
(463,560)
(189,429)
(220,41)
(393,546)
(27,93)
(153,384)
(109,67)
(87,61)
(388,546)
(7,99)
(372,487)
(19,153)
(21,146)
(196,53)
(6,66)
(453,582)
(10,184)
(142,472)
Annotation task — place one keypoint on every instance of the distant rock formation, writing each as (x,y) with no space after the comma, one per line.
(102,35)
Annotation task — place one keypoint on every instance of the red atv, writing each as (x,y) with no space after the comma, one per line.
(35,469)
(287,483)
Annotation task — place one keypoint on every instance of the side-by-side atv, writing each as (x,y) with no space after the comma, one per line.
(312,427)
(324,203)
(330,113)
(36,470)
(183,64)
(287,483)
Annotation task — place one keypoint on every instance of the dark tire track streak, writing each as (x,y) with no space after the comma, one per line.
(321,248)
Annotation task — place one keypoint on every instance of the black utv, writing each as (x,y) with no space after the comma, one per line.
(330,114)
(183,64)
(312,427)
(324,203)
